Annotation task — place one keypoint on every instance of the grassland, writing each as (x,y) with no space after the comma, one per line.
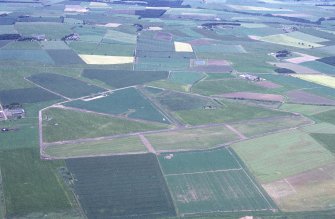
(293,152)
(327,140)
(328,116)
(26,95)
(127,102)
(305,109)
(117,36)
(229,112)
(254,128)
(200,138)
(124,78)
(67,86)
(64,57)
(225,86)
(287,40)
(26,56)
(32,185)
(308,191)
(323,127)
(59,125)
(54,31)
(209,182)
(180,101)
(114,49)
(185,77)
(102,147)
(121,186)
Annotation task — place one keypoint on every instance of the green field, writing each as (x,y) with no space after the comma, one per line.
(197,161)
(121,186)
(26,135)
(327,140)
(305,109)
(226,86)
(185,77)
(259,127)
(110,49)
(117,36)
(32,185)
(114,146)
(65,57)
(197,138)
(292,152)
(22,45)
(54,31)
(59,125)
(48,45)
(26,56)
(292,83)
(211,182)
(128,102)
(124,78)
(328,116)
(229,112)
(291,41)
(323,127)
(26,95)
(176,101)
(67,86)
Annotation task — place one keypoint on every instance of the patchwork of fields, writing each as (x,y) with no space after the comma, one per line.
(211,181)
(167,109)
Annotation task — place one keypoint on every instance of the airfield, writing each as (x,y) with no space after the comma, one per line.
(167,109)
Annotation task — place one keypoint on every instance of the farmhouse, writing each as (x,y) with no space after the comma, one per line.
(14,113)
(71,37)
(251,77)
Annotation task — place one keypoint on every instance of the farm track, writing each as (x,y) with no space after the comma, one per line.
(147,144)
(103,114)
(47,89)
(242,137)
(160,108)
(44,145)
(2,112)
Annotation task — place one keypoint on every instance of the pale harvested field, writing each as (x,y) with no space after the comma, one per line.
(307,191)
(106,60)
(98,4)
(182,47)
(324,80)
(113,25)
(303,58)
(75,8)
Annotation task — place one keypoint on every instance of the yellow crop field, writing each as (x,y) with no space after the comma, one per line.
(106,60)
(182,47)
(325,80)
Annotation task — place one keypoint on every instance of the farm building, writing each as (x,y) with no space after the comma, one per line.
(251,77)
(16,113)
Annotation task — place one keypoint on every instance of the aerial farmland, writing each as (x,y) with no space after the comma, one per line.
(167,109)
